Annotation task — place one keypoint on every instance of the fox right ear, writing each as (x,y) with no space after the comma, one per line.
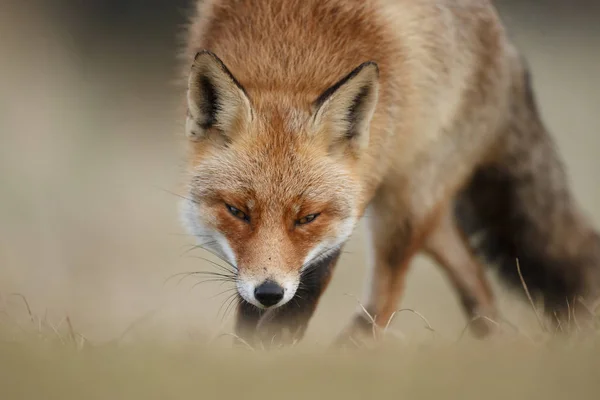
(216,100)
(344,111)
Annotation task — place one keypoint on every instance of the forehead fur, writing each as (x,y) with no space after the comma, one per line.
(276,158)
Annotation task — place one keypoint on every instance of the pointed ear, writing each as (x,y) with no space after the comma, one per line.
(344,111)
(216,100)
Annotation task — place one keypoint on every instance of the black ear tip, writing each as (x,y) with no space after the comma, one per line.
(199,54)
(204,52)
(371,64)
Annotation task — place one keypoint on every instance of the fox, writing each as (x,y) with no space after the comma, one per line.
(303,117)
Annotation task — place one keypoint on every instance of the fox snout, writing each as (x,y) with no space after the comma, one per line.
(267,293)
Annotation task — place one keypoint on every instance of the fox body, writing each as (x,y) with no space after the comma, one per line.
(303,115)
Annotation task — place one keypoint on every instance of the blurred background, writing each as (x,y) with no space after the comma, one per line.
(91,152)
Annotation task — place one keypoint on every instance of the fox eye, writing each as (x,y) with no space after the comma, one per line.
(237,213)
(306,219)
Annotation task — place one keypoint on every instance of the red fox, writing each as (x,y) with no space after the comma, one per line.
(303,115)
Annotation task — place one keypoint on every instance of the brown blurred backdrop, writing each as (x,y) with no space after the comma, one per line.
(91,147)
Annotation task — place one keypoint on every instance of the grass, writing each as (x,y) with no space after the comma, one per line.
(41,360)
(34,369)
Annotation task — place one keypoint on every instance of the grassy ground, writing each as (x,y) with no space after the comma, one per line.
(43,362)
(41,359)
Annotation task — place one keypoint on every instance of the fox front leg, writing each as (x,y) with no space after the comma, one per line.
(393,248)
(395,238)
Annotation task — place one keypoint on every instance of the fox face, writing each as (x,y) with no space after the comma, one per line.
(274,185)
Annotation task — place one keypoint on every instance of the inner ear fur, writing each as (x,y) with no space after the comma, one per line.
(344,110)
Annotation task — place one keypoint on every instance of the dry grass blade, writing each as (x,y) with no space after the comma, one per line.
(26,305)
(371,317)
(575,320)
(354,342)
(427,324)
(569,314)
(233,335)
(131,326)
(537,315)
(55,329)
(71,331)
(589,308)
(476,319)
(82,341)
(558,323)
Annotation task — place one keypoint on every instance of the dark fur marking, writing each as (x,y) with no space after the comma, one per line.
(354,110)
(491,204)
(209,104)
(223,68)
(314,276)
(332,89)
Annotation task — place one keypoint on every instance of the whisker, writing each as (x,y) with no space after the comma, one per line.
(222,293)
(227,303)
(297,303)
(232,304)
(192,235)
(208,273)
(212,262)
(219,280)
(199,246)
(216,255)
(179,195)
(223,304)
(213,274)
(185,234)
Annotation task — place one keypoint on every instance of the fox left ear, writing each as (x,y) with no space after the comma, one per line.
(344,111)
(216,100)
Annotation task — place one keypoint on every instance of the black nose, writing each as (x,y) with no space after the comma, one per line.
(268,293)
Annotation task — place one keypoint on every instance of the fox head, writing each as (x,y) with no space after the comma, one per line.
(274,185)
